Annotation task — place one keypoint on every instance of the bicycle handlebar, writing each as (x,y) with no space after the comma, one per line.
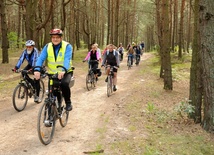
(116,67)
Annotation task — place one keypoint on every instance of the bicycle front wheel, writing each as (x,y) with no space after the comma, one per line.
(42,90)
(89,82)
(63,119)
(109,86)
(45,124)
(20,97)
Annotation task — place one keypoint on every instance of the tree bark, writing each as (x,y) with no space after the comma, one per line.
(196,70)
(181,30)
(166,46)
(5,42)
(207,52)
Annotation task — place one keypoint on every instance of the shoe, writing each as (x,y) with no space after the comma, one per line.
(106,80)
(37,99)
(114,88)
(68,107)
(49,122)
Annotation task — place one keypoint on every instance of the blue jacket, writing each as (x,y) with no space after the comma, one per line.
(44,54)
(31,58)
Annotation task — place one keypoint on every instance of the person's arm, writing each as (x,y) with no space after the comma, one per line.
(87,56)
(42,57)
(117,58)
(21,60)
(104,58)
(68,56)
(35,57)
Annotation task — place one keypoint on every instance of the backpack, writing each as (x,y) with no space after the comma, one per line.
(114,52)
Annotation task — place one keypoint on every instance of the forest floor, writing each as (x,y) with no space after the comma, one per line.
(140,118)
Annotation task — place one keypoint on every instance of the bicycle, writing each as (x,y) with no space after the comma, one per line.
(52,109)
(24,90)
(110,80)
(137,59)
(90,77)
(129,64)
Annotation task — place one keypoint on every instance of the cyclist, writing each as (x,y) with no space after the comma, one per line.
(142,46)
(31,54)
(111,57)
(130,54)
(58,52)
(137,53)
(121,51)
(93,55)
(98,50)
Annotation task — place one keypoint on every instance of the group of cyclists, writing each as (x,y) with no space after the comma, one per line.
(59,52)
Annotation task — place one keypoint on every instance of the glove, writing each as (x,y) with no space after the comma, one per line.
(30,70)
(15,69)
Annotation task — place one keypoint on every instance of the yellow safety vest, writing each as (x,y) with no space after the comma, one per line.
(51,62)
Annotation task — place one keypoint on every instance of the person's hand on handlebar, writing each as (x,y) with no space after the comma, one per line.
(37,75)
(60,75)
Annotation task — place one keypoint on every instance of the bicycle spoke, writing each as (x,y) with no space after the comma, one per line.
(45,125)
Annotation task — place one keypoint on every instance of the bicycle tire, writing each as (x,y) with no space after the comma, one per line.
(129,64)
(16,93)
(42,91)
(109,87)
(94,82)
(45,137)
(64,116)
(89,82)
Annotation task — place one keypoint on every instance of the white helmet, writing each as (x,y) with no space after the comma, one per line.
(30,43)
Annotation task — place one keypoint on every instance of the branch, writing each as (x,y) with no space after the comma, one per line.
(42,25)
(65,3)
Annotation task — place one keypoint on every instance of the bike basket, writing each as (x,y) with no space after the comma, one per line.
(99,73)
(71,84)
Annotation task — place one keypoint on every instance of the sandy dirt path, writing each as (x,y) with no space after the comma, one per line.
(19,129)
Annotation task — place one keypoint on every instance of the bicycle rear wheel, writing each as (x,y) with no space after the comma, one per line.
(42,91)
(89,82)
(20,97)
(63,119)
(45,124)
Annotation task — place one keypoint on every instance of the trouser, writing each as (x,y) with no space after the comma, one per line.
(35,83)
(65,88)
(94,67)
(130,57)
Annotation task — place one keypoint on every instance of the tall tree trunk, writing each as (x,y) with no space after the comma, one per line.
(175,23)
(196,70)
(48,25)
(189,26)
(207,51)
(160,35)
(19,25)
(5,42)
(166,46)
(181,30)
(116,34)
(109,22)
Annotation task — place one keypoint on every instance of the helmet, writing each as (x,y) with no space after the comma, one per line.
(30,43)
(55,32)
(133,43)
